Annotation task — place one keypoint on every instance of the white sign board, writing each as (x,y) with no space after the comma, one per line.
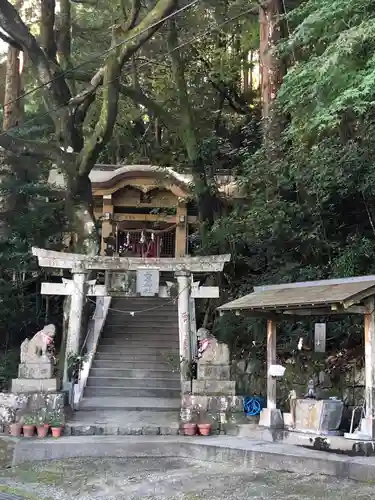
(148,282)
(320,337)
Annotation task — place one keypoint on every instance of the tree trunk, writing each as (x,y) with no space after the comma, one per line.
(272,68)
(11,169)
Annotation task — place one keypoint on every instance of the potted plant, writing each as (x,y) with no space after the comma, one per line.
(42,425)
(56,424)
(29,423)
(204,428)
(15,429)
(189,428)
(204,424)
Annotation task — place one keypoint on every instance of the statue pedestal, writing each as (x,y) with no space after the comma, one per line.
(35,370)
(22,385)
(35,377)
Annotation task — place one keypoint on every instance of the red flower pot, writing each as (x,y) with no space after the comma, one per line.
(204,429)
(42,430)
(189,429)
(15,429)
(56,432)
(28,430)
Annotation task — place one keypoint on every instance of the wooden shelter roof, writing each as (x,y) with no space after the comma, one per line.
(309,297)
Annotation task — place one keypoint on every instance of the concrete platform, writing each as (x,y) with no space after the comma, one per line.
(236,451)
(332,443)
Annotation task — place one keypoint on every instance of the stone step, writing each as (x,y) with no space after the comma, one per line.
(134,391)
(130,404)
(129,365)
(139,349)
(135,342)
(119,382)
(140,331)
(145,321)
(157,357)
(134,373)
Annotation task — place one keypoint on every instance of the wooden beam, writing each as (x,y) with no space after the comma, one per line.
(324,311)
(205,292)
(271,360)
(67,288)
(358,297)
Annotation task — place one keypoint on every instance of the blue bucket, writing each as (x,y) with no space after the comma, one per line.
(253,405)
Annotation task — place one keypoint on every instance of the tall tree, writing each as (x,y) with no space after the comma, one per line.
(76,149)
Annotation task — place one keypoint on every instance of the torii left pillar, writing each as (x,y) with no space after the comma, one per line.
(77,302)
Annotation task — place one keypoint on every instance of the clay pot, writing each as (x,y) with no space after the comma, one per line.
(56,432)
(42,430)
(15,429)
(28,430)
(189,429)
(204,429)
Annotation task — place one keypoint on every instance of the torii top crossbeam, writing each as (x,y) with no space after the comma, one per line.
(79,262)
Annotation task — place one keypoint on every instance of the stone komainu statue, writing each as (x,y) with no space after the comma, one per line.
(37,347)
(210,351)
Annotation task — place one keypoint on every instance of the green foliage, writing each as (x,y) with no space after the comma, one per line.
(309,209)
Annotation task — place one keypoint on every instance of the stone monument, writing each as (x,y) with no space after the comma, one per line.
(35,372)
(213,374)
(212,392)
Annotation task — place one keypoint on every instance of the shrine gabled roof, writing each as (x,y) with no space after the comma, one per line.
(339,294)
(102,176)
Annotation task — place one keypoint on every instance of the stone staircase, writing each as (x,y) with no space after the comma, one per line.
(133,384)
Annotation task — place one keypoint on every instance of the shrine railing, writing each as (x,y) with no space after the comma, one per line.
(94,330)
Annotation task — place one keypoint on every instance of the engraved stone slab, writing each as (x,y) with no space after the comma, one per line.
(213,372)
(207,387)
(318,416)
(34,385)
(35,370)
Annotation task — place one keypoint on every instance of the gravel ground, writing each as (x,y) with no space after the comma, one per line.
(170,479)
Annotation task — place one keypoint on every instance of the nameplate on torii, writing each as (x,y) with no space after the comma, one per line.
(67,287)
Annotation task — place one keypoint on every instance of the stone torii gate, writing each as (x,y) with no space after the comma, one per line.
(79,287)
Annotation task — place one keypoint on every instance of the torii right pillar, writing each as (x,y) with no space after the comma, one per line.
(368,423)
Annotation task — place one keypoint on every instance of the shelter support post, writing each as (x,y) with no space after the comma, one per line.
(368,423)
(183,281)
(75,319)
(271,416)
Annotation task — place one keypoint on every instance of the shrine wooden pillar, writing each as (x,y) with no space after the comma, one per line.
(107,226)
(271,417)
(181,230)
(368,423)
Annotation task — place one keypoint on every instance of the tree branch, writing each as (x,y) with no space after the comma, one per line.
(108,113)
(161,9)
(153,107)
(56,92)
(10,41)
(146,28)
(47,29)
(34,149)
(132,17)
